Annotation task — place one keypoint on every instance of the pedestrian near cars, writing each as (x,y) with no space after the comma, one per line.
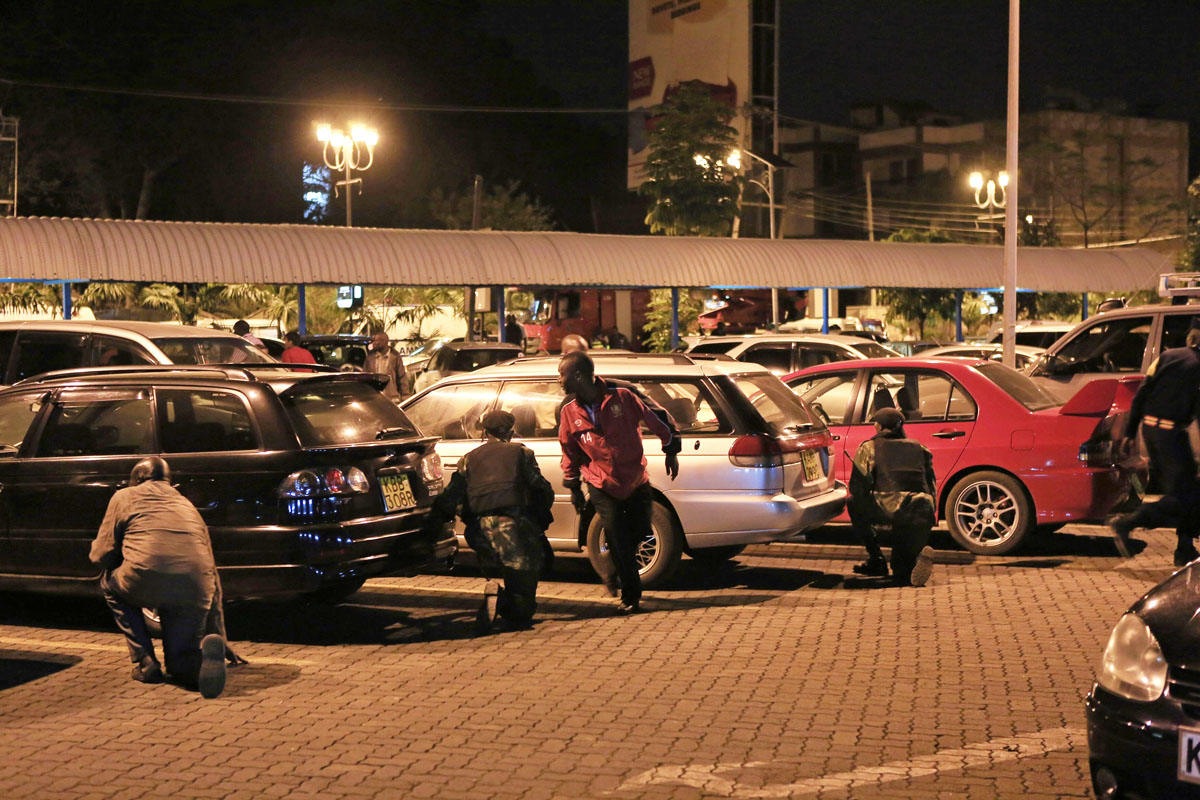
(892,483)
(1164,406)
(505,503)
(242,329)
(155,551)
(574,343)
(599,430)
(382,359)
(294,352)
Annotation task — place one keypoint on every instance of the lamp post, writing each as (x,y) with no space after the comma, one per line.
(734,159)
(345,152)
(990,202)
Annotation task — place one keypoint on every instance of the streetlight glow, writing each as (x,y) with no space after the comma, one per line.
(358,133)
(372,137)
(701,161)
(337,139)
(345,153)
(323,132)
(976,180)
(734,159)
(1003,179)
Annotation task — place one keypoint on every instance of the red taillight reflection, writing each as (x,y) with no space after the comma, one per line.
(760,450)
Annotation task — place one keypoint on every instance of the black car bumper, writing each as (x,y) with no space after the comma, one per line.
(324,555)
(1137,744)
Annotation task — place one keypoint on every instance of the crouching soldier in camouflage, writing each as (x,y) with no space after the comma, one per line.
(893,483)
(505,502)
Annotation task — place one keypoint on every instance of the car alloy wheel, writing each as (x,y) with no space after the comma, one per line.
(657,555)
(988,513)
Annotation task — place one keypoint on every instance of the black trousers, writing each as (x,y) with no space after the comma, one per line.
(1171,455)
(626,524)
(181,629)
(907,542)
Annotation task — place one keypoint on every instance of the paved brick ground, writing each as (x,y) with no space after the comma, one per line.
(779,676)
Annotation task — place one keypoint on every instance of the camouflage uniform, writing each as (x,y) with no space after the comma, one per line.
(509,535)
(893,483)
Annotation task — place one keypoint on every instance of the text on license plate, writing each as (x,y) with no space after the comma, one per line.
(1189,755)
(397,492)
(812,465)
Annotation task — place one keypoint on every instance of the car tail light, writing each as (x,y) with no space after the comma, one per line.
(760,450)
(431,468)
(312,494)
(1097,453)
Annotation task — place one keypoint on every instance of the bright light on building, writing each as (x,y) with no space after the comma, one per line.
(323,132)
(976,180)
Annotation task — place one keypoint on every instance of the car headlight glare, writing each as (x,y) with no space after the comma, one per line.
(1132,665)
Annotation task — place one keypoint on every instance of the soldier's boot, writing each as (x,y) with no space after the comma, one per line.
(148,671)
(1121,527)
(873,567)
(923,568)
(211,679)
(1185,552)
(486,615)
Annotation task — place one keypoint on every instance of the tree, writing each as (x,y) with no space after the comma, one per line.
(657,330)
(420,303)
(501,208)
(692,190)
(1189,259)
(917,304)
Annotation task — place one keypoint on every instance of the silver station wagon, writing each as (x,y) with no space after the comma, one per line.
(755,465)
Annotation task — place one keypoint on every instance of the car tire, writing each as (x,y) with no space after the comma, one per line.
(153,622)
(658,557)
(336,591)
(989,513)
(716,555)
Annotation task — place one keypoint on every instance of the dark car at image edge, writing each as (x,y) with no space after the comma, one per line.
(309,483)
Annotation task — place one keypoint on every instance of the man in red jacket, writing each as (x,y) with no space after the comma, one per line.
(602,446)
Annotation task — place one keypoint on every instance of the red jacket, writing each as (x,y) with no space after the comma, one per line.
(608,454)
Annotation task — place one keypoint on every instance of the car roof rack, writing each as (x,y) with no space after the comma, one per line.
(235,371)
(1179,284)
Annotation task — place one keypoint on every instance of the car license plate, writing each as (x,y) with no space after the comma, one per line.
(397,492)
(812,466)
(1189,755)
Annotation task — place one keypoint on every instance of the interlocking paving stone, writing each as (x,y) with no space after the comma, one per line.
(784,668)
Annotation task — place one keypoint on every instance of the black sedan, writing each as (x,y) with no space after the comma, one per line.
(1144,709)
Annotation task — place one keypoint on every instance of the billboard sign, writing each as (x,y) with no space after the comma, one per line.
(676,41)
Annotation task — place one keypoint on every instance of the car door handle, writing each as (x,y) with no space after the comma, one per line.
(837,438)
(949,434)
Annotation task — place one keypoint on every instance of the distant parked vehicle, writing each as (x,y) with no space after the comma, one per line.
(1034,333)
(1025,356)
(1009,457)
(455,357)
(346,351)
(787,352)
(36,346)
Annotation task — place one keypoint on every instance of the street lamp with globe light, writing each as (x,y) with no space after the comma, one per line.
(353,151)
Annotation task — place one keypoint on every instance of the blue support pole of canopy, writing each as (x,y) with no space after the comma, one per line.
(674,317)
(66,300)
(301,310)
(958,301)
(825,310)
(499,314)
(1085,308)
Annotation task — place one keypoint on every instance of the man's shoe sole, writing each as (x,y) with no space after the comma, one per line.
(923,568)
(212,666)
(486,616)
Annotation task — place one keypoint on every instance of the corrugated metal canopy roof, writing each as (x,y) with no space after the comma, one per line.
(37,248)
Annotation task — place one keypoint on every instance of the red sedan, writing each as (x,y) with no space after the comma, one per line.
(1009,458)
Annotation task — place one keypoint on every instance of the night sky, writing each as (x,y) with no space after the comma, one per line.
(84,154)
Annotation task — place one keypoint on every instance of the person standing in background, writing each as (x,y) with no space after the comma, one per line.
(382,359)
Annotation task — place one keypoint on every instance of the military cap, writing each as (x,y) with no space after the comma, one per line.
(889,418)
(498,422)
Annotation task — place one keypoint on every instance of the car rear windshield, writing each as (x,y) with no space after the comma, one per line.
(215,350)
(874,350)
(714,347)
(343,413)
(1018,386)
(471,360)
(778,405)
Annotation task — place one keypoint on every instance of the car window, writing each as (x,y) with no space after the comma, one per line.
(780,407)
(103,423)
(920,396)
(17,412)
(689,403)
(452,412)
(471,360)
(1175,328)
(7,338)
(342,412)
(109,351)
(777,358)
(713,347)
(1035,337)
(202,421)
(828,395)
(46,352)
(1111,345)
(874,350)
(813,354)
(534,406)
(1018,386)
(214,350)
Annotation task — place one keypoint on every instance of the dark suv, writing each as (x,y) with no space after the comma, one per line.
(309,483)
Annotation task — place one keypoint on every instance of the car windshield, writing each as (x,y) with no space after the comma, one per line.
(714,347)
(1018,386)
(470,360)
(778,405)
(214,350)
(874,350)
(343,412)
